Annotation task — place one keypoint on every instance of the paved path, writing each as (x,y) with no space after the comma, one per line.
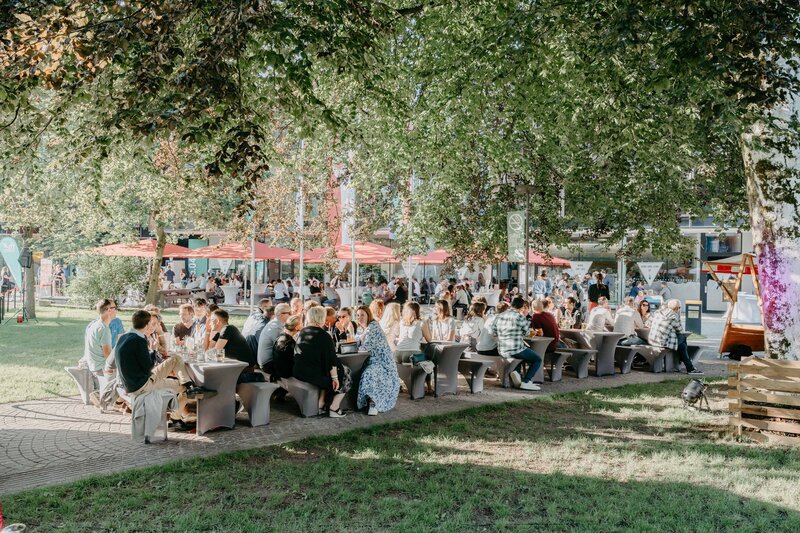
(56,440)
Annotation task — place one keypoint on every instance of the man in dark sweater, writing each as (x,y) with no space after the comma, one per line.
(229,338)
(546,322)
(137,372)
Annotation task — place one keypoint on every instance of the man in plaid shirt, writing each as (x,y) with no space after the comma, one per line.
(510,327)
(664,332)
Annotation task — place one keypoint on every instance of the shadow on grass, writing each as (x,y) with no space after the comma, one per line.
(304,490)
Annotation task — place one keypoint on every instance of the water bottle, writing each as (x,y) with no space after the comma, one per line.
(201,354)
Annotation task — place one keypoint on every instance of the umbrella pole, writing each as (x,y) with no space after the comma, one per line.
(354,266)
(252,271)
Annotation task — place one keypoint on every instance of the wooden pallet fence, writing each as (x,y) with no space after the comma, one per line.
(764,399)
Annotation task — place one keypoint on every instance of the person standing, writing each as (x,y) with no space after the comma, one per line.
(597,290)
(510,327)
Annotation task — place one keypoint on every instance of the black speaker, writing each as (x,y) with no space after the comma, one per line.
(25,258)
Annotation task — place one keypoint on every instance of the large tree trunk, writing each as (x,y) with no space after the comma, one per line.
(155,271)
(28,276)
(773,192)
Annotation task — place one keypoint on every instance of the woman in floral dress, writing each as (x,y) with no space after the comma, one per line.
(380,383)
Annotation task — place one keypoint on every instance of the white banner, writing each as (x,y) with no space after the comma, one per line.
(225,265)
(462,272)
(579,268)
(405,269)
(649,269)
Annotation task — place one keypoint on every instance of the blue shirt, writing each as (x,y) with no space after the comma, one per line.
(117,329)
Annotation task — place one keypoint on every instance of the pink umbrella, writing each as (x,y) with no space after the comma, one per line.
(143,248)
(240,250)
(434,257)
(541,260)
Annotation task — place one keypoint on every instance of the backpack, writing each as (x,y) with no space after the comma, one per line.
(740,350)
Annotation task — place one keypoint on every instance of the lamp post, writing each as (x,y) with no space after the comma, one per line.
(527,190)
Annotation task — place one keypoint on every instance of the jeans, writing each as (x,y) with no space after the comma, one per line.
(683,353)
(533,358)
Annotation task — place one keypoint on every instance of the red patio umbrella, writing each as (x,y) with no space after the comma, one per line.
(434,257)
(541,260)
(366,253)
(143,248)
(240,250)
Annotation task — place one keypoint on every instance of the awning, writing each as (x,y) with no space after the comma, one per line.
(143,248)
(241,251)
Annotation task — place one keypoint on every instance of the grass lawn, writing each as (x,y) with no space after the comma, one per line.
(620,459)
(33,355)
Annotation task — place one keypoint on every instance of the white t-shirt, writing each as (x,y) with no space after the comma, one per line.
(280,290)
(627,320)
(409,338)
(471,328)
(599,318)
(441,329)
(487,341)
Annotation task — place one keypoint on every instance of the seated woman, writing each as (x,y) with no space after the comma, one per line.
(411,333)
(470,330)
(376,308)
(390,324)
(344,328)
(380,383)
(283,349)
(487,343)
(443,327)
(644,312)
(315,362)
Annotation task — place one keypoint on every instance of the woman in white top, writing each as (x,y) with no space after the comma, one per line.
(390,323)
(487,343)
(470,330)
(410,333)
(443,327)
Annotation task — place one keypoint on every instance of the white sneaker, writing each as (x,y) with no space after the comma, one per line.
(516,379)
(527,385)
(336,414)
(373,411)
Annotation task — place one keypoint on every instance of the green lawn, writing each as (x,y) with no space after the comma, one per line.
(33,355)
(618,459)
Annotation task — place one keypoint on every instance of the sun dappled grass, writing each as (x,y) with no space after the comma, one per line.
(33,355)
(628,458)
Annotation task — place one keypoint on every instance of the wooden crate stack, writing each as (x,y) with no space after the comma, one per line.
(765,396)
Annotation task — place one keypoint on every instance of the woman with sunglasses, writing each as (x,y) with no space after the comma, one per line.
(644,311)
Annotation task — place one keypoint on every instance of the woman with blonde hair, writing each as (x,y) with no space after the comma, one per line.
(443,327)
(470,330)
(390,323)
(376,308)
(316,362)
(411,332)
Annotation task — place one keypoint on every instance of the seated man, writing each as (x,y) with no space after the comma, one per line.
(665,330)
(546,322)
(269,335)
(97,344)
(139,375)
(510,327)
(256,322)
(331,296)
(600,318)
(185,327)
(229,338)
(626,321)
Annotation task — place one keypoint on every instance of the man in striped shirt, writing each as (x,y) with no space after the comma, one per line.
(510,327)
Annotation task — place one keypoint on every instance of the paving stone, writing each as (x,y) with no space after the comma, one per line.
(57,440)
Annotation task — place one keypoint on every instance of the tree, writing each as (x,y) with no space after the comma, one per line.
(634,113)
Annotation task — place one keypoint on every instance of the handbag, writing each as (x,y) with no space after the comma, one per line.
(417,358)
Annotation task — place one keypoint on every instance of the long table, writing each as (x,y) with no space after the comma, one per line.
(605,342)
(219,410)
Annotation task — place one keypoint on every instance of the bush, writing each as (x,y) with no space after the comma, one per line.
(107,277)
